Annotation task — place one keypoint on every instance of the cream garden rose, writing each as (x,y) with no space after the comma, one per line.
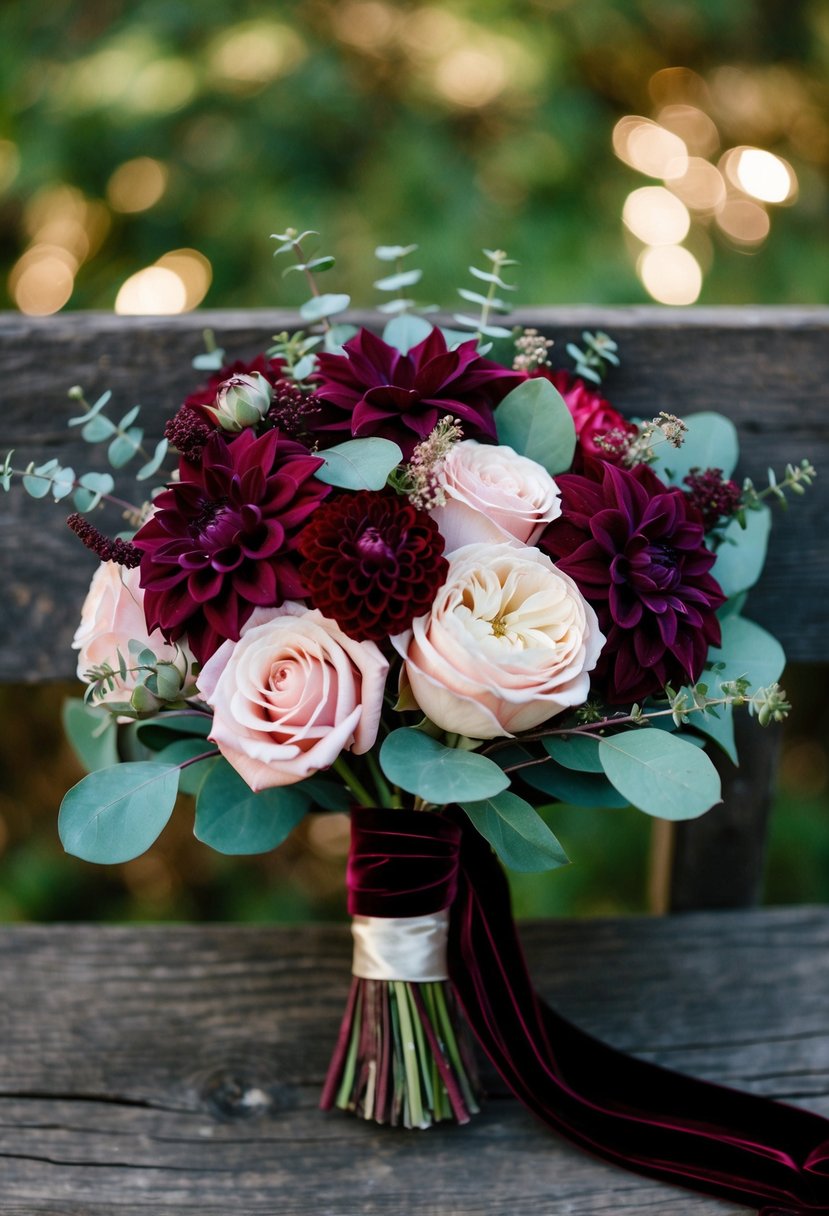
(113,616)
(291,694)
(493,494)
(509,643)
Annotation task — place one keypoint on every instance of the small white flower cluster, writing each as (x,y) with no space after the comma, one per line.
(423,484)
(532,351)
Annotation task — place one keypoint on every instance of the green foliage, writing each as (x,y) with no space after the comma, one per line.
(576,788)
(115,814)
(91,732)
(749,651)
(741,551)
(590,363)
(660,774)
(439,775)
(534,420)
(232,819)
(516,832)
(359,464)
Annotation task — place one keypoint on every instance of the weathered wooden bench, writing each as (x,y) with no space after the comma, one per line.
(161,1069)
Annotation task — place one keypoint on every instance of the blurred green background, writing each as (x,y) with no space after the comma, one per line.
(623,152)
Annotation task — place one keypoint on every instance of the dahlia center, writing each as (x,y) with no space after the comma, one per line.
(375,549)
(663,564)
(209,519)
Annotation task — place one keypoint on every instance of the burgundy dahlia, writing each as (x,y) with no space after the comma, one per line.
(592,414)
(374,563)
(223,539)
(635,549)
(373,389)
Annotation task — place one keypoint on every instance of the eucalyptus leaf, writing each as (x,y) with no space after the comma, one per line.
(710,443)
(124,446)
(303,367)
(747,650)
(182,750)
(661,774)
(396,282)
(391,253)
(359,464)
(579,752)
(325,795)
(209,361)
(116,813)
(319,307)
(94,409)
(516,832)
(742,552)
(154,463)
(98,428)
(232,819)
(720,729)
(91,489)
(37,482)
(406,331)
(577,789)
(438,774)
(336,338)
(534,420)
(92,733)
(157,732)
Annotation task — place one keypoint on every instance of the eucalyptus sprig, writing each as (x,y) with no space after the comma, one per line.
(590,363)
(297,352)
(490,302)
(796,478)
(124,438)
(399,280)
(319,307)
(158,683)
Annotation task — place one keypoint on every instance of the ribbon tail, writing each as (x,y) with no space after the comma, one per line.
(735,1146)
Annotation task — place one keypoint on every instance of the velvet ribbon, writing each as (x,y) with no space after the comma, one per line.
(735,1146)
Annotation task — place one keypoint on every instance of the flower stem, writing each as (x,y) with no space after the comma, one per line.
(353,783)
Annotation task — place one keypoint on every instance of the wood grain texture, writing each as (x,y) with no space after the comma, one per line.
(766,368)
(177,1069)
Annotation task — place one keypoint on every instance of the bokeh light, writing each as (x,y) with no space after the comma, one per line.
(656,216)
(42,280)
(137,185)
(701,187)
(248,56)
(650,148)
(744,221)
(765,176)
(670,274)
(194,270)
(153,291)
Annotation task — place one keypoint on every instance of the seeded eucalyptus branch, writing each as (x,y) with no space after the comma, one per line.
(590,363)
(796,478)
(490,302)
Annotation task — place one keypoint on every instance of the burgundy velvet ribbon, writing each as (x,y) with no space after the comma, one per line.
(735,1146)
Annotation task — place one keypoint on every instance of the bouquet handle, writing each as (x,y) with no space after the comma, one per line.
(736,1146)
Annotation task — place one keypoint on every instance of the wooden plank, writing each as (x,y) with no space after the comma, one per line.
(767,368)
(177,1069)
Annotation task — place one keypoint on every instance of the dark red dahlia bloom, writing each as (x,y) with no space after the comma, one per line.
(635,549)
(373,389)
(224,539)
(374,563)
(592,414)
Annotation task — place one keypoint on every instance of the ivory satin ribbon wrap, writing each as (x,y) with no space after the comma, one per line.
(411,948)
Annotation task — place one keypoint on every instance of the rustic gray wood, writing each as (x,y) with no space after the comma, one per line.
(767,368)
(164,1070)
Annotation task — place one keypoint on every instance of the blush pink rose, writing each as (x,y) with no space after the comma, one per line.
(291,694)
(113,616)
(508,644)
(493,494)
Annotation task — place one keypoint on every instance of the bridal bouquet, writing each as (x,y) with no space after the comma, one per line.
(422,575)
